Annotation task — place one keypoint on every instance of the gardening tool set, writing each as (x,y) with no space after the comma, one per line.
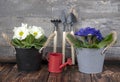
(57,60)
(66,21)
(71,20)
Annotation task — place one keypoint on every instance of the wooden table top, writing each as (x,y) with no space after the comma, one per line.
(9,73)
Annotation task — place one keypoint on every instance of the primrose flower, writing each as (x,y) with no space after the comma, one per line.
(89,37)
(28,37)
(36,31)
(98,35)
(21,32)
(89,31)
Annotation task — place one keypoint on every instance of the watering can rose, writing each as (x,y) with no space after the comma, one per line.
(28,36)
(90,38)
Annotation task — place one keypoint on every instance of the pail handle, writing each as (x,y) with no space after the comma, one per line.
(5,36)
(114,34)
(47,42)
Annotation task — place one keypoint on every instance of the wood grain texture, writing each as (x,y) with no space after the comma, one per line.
(7,53)
(9,73)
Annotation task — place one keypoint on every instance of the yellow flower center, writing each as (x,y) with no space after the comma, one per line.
(35,33)
(21,33)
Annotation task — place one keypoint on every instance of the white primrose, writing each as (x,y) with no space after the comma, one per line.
(36,31)
(28,36)
(21,32)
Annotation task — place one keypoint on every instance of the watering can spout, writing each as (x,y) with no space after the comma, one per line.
(69,62)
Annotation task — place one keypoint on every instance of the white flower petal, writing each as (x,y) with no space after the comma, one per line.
(36,31)
(23,25)
(23,31)
(20,33)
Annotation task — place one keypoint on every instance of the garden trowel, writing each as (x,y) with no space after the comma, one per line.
(71,19)
(64,22)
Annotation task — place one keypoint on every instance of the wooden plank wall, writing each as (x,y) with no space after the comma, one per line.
(101,14)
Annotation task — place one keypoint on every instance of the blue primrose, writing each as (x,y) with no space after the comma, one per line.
(89,31)
(98,35)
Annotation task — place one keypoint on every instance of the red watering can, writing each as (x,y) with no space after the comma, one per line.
(55,62)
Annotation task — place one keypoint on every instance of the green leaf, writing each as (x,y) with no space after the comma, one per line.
(40,39)
(16,43)
(77,43)
(107,40)
(29,39)
(38,46)
(26,44)
(40,42)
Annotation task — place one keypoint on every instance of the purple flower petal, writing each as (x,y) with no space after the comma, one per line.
(87,31)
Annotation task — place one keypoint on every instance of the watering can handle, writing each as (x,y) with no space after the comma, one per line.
(114,34)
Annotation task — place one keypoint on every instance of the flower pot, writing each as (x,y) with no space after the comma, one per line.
(28,59)
(90,60)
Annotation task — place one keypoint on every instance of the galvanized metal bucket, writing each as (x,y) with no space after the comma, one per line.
(90,60)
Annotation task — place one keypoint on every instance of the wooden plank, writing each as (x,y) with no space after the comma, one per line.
(9,73)
(115,77)
(5,71)
(37,76)
(54,77)
(112,72)
(112,68)
(73,75)
(78,76)
(108,75)
(86,77)
(66,75)
(99,78)
(12,75)
(44,75)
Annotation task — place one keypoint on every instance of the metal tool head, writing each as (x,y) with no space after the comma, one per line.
(63,20)
(56,22)
(63,17)
(71,19)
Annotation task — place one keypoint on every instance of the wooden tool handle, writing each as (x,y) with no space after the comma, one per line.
(55,42)
(67,39)
(63,47)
